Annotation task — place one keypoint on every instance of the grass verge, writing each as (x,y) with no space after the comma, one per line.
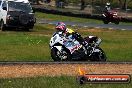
(53,82)
(54,17)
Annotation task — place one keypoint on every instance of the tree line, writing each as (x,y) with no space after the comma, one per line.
(123,4)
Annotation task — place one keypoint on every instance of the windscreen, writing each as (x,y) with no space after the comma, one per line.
(19,6)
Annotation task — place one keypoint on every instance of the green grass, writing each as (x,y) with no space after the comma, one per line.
(34,46)
(53,82)
(54,17)
(23,47)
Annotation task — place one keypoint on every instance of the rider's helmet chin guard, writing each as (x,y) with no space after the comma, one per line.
(60,26)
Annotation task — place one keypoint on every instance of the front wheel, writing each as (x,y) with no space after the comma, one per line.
(99,56)
(105,21)
(60,56)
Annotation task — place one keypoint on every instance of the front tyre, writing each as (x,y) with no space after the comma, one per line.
(105,21)
(59,56)
(99,56)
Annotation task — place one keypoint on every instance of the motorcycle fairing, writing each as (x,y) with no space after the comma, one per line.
(58,48)
(96,50)
(55,38)
(72,46)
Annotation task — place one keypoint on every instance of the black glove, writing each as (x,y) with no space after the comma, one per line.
(78,37)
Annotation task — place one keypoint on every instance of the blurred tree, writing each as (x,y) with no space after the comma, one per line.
(82,4)
(36,1)
(124,3)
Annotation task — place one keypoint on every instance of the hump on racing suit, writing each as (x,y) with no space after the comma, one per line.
(76,35)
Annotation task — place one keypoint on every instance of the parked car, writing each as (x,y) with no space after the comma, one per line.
(16,14)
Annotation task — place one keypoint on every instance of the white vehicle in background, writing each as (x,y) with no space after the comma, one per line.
(16,14)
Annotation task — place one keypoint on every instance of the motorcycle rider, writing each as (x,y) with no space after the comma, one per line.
(61,27)
(107,7)
(107,10)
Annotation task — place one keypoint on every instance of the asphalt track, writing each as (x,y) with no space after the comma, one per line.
(52,62)
(109,26)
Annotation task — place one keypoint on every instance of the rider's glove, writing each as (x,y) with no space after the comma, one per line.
(76,35)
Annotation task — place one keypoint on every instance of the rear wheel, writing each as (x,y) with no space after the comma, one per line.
(99,56)
(60,56)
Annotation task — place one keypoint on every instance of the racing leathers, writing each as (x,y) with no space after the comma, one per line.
(69,32)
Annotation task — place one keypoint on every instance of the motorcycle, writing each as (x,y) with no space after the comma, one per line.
(111,16)
(69,49)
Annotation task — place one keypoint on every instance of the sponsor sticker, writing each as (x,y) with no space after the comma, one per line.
(103,78)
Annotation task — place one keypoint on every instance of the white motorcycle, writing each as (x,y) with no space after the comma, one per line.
(69,49)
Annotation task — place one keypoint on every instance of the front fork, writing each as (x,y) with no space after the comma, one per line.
(62,54)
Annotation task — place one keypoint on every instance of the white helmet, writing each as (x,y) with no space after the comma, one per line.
(108,4)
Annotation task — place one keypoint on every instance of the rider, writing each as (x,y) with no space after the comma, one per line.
(107,10)
(60,26)
(107,7)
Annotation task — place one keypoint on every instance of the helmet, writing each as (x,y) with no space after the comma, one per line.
(108,4)
(60,26)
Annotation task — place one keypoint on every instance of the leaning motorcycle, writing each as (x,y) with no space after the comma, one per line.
(111,16)
(69,49)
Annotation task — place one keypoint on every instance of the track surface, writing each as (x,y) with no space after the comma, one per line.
(54,69)
(110,26)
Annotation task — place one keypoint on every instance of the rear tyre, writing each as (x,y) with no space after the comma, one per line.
(99,56)
(2,26)
(60,56)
